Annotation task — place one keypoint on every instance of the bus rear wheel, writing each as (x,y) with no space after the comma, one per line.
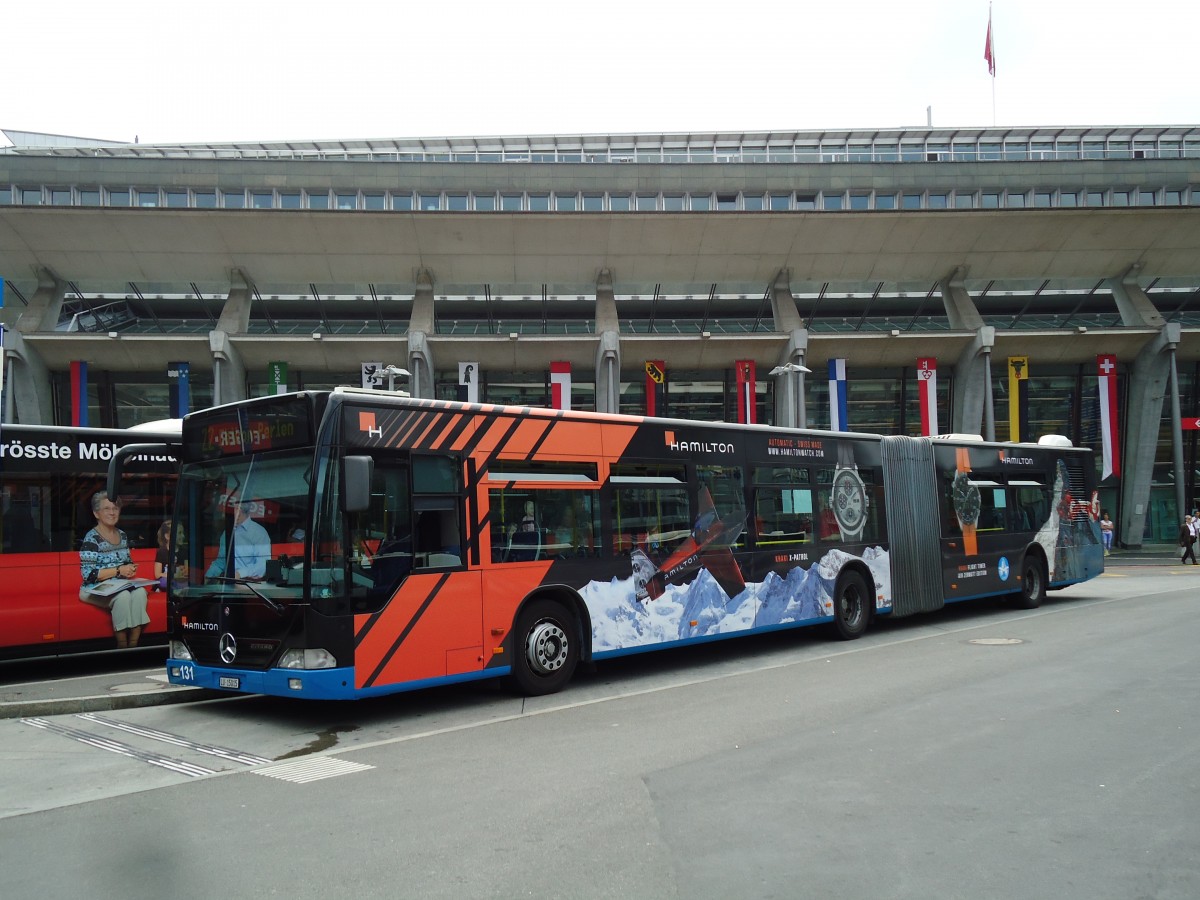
(546,648)
(851,611)
(1033,583)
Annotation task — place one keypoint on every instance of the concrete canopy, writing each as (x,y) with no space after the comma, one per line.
(106,248)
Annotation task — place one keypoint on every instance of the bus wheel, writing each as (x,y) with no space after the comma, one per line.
(1033,583)
(851,611)
(546,648)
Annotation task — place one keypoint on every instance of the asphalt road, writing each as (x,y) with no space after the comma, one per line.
(977,753)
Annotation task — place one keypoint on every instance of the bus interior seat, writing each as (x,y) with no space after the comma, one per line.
(524,546)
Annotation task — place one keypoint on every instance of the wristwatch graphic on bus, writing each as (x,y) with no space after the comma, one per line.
(965,497)
(849,496)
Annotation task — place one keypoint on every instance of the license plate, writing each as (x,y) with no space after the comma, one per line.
(229,681)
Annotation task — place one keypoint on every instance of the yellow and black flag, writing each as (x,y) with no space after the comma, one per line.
(656,387)
(1018,398)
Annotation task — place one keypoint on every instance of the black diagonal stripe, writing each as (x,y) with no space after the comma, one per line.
(464,421)
(396,427)
(370,682)
(500,444)
(545,434)
(473,512)
(418,432)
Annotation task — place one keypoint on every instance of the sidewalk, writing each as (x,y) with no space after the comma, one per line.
(1146,555)
(95,693)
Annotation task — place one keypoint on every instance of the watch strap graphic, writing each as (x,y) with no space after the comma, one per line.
(962,459)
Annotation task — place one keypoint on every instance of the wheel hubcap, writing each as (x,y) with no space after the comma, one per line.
(851,605)
(546,648)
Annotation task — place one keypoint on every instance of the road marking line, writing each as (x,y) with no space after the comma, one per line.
(165,762)
(312,769)
(176,740)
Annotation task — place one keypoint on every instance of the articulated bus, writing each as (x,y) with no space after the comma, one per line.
(403,543)
(48,476)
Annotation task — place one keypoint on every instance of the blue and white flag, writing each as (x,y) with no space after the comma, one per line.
(837,396)
(179,393)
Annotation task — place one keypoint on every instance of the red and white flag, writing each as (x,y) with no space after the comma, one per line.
(560,385)
(1106,369)
(989,48)
(927,389)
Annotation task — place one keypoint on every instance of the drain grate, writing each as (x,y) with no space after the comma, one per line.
(995,642)
(305,770)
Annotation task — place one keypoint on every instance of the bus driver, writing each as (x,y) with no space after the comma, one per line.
(251,547)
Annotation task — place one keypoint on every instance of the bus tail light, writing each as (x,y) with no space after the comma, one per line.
(307,659)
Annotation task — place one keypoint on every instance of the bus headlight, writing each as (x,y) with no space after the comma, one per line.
(178,650)
(307,659)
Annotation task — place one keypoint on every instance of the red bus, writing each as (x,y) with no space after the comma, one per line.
(397,543)
(47,477)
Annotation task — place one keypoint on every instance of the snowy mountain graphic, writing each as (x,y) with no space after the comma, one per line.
(621,621)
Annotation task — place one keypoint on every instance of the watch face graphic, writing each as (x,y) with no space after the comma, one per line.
(849,502)
(966,500)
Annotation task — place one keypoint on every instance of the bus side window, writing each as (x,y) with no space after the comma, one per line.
(437,530)
(543,523)
(726,487)
(784,513)
(650,508)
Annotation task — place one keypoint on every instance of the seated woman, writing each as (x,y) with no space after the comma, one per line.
(104,555)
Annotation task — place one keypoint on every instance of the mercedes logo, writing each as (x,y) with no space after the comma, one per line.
(228,648)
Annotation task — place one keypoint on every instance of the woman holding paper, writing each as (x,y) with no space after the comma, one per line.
(104,556)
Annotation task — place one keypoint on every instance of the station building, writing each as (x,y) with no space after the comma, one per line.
(690,275)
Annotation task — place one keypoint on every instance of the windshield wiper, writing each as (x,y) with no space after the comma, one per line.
(245,582)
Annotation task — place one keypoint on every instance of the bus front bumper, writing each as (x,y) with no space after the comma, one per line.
(312,684)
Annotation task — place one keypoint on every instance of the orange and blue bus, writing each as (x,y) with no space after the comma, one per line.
(48,475)
(400,543)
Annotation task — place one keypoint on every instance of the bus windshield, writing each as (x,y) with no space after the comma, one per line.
(244,521)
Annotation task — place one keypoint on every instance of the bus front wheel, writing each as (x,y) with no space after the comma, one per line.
(546,648)
(1033,583)
(851,611)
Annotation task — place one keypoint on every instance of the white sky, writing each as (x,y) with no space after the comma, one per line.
(241,70)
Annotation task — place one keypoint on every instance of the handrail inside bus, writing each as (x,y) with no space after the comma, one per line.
(161,452)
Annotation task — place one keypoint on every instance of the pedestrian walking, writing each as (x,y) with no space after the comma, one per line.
(1187,540)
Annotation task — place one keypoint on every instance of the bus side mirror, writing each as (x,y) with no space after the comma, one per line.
(356,483)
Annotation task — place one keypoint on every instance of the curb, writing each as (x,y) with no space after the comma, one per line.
(105,702)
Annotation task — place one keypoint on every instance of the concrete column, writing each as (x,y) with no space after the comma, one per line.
(608,373)
(1136,309)
(608,352)
(422,323)
(420,365)
(783,305)
(960,308)
(1148,383)
(44,306)
(791,400)
(972,387)
(28,398)
(229,372)
(423,318)
(235,312)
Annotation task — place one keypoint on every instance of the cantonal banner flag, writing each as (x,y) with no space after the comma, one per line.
(1106,370)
